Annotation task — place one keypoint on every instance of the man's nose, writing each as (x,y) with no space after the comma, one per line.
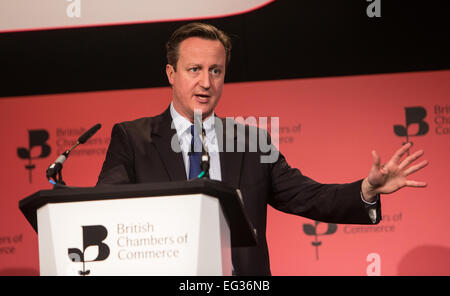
(205,80)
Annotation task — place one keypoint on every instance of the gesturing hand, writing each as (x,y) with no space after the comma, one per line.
(391,176)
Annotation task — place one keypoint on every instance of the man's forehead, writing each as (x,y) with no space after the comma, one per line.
(200,41)
(199,47)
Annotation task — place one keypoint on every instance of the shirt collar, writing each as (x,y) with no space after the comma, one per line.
(182,124)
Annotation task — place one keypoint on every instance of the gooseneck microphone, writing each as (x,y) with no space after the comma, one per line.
(54,170)
(87,135)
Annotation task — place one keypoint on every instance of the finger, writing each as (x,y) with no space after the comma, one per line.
(411,183)
(399,153)
(376,160)
(407,161)
(415,168)
(376,164)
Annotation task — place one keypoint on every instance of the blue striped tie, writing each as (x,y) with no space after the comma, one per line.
(194,157)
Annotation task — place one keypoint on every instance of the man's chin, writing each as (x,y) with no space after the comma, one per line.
(205,114)
(204,109)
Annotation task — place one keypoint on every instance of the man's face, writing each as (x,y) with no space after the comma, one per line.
(198,81)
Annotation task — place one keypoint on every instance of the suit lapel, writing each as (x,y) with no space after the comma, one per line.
(162,135)
(230,162)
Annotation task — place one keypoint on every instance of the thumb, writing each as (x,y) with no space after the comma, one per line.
(376,163)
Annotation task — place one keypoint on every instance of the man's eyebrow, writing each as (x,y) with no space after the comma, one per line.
(215,66)
(200,66)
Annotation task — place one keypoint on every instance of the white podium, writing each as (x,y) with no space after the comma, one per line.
(177,228)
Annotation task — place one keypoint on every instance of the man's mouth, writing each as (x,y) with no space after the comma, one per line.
(202,98)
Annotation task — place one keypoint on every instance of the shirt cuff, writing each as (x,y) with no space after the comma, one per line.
(369,203)
(371,209)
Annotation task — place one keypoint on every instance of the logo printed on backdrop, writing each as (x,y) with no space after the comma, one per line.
(442,119)
(37,138)
(93,236)
(310,229)
(9,243)
(390,223)
(413,116)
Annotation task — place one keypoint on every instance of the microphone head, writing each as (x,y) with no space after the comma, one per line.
(84,137)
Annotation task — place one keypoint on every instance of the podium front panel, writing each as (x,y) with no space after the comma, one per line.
(169,235)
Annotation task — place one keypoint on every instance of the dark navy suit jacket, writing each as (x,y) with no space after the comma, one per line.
(140,152)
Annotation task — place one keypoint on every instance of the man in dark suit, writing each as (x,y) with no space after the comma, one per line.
(156,149)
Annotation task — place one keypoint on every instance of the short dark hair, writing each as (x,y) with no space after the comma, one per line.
(201,30)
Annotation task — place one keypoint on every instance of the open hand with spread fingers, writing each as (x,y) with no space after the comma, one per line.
(392,176)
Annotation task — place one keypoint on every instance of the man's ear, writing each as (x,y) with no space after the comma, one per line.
(170,71)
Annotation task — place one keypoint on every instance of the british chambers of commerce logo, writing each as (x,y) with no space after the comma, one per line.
(313,230)
(37,148)
(93,237)
(415,124)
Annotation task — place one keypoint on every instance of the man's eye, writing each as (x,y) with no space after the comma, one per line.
(195,69)
(216,71)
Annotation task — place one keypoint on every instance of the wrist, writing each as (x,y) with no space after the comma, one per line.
(369,194)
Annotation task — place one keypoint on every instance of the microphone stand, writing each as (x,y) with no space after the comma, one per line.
(204,160)
(55,170)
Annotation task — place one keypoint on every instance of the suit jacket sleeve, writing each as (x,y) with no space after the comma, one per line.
(117,167)
(294,193)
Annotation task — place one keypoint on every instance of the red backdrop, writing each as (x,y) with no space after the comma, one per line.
(328,127)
